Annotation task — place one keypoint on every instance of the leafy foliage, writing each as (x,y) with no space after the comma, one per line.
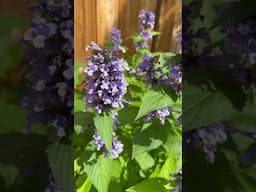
(61,161)
(151,148)
(218,96)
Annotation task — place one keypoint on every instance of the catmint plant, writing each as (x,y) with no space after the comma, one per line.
(150,67)
(106,85)
(127,134)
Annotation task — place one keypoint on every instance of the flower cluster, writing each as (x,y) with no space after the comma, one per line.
(210,137)
(52,186)
(49,50)
(160,113)
(237,53)
(147,22)
(175,77)
(40,31)
(240,50)
(117,146)
(244,31)
(152,74)
(179,40)
(104,74)
(117,40)
(178,182)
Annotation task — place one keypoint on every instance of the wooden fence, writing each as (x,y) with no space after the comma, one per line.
(16,7)
(95,18)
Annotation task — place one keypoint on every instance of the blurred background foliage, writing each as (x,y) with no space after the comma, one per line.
(22,165)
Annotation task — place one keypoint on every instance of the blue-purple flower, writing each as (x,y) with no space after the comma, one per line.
(179,40)
(104,74)
(147,22)
(49,50)
(98,142)
(175,77)
(152,73)
(52,186)
(162,114)
(117,40)
(117,146)
(178,182)
(210,137)
(39,32)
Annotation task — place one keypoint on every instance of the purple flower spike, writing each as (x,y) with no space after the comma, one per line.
(147,22)
(147,19)
(106,84)
(117,40)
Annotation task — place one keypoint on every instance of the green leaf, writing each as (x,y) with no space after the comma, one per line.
(143,51)
(79,104)
(153,100)
(10,52)
(145,160)
(78,77)
(83,118)
(173,143)
(104,126)
(139,147)
(136,38)
(100,173)
(202,107)
(149,185)
(150,138)
(78,129)
(8,105)
(60,157)
(116,169)
(9,173)
(246,118)
(85,187)
(127,115)
(172,165)
(154,33)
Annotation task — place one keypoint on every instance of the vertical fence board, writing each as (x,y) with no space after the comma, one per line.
(106,18)
(15,7)
(79,30)
(176,26)
(95,18)
(89,26)
(167,25)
